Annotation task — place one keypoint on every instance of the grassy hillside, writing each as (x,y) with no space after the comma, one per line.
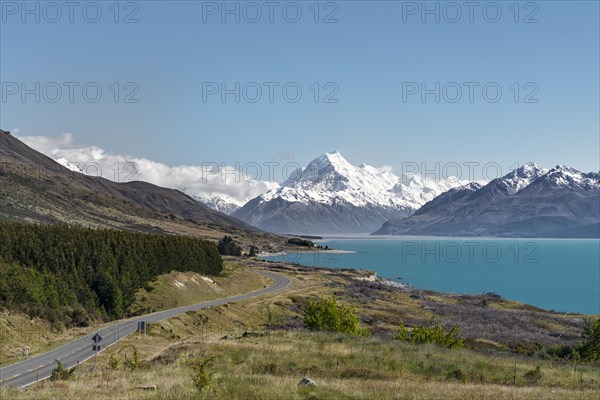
(344,367)
(22,336)
(34,188)
(263,351)
(182,288)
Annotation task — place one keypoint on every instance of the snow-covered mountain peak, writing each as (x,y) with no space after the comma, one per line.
(472,186)
(530,169)
(330,179)
(562,175)
(329,167)
(336,159)
(418,190)
(331,195)
(521,177)
(330,163)
(220,202)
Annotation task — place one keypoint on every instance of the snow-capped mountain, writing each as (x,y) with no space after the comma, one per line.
(528,202)
(521,177)
(417,191)
(222,203)
(212,196)
(565,177)
(331,195)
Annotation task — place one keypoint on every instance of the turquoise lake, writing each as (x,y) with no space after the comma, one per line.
(555,274)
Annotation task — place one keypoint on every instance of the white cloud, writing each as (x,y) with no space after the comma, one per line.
(203,181)
(284,156)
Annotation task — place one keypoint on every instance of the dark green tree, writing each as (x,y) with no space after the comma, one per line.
(253,251)
(227,247)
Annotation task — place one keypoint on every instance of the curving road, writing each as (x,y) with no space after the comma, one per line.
(40,367)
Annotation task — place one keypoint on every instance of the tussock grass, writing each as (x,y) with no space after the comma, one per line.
(345,367)
(263,352)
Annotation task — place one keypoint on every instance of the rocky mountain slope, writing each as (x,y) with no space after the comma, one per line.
(528,202)
(35,188)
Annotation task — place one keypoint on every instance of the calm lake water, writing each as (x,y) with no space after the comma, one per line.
(555,274)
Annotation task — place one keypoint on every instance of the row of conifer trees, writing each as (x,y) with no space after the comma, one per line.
(50,270)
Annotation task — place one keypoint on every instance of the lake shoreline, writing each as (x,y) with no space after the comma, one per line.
(552,274)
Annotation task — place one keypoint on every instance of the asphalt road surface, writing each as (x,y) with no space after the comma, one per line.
(40,367)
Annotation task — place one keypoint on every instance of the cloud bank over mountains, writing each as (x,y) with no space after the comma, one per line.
(200,181)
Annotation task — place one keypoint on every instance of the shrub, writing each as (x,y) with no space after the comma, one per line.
(533,376)
(402,333)
(201,376)
(134,363)
(590,347)
(113,362)
(60,373)
(129,363)
(435,334)
(327,315)
(457,374)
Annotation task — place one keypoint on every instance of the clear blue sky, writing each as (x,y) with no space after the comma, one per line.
(368,54)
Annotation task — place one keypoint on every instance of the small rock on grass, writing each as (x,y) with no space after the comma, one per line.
(307,382)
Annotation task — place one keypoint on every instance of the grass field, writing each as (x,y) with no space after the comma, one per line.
(270,366)
(261,350)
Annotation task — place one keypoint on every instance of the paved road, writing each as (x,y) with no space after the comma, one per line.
(40,367)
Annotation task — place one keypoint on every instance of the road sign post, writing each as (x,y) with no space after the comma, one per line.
(141,325)
(96,347)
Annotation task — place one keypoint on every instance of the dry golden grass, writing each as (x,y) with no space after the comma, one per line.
(182,288)
(270,366)
(256,362)
(21,336)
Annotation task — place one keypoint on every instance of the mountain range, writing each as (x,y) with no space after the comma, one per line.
(332,196)
(329,196)
(530,201)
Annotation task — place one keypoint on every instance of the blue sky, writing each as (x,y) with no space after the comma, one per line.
(369,57)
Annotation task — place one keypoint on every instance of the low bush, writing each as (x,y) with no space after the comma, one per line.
(533,376)
(60,373)
(434,334)
(327,315)
(590,347)
(201,376)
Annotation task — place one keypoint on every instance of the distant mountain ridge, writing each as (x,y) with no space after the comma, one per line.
(221,203)
(331,195)
(35,188)
(530,201)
